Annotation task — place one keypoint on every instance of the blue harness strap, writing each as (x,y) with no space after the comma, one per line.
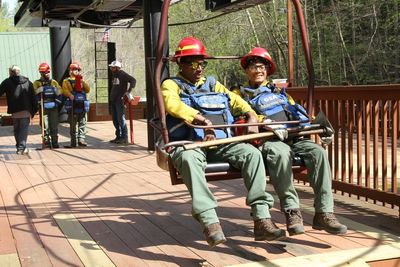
(212,105)
(274,104)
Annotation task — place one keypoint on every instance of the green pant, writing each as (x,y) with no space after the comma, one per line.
(191,165)
(74,120)
(278,159)
(50,126)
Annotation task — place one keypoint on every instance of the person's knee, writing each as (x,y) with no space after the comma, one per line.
(277,152)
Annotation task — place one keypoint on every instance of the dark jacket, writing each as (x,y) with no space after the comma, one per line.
(20,94)
(120,85)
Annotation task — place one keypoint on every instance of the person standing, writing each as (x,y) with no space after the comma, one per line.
(122,85)
(21,102)
(274,104)
(49,94)
(75,89)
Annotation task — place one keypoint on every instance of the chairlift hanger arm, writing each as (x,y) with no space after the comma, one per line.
(159,61)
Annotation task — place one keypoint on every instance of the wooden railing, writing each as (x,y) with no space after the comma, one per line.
(363,154)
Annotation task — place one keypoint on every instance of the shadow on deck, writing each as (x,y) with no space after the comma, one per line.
(110,205)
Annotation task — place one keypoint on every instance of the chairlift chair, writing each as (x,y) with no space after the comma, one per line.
(222,170)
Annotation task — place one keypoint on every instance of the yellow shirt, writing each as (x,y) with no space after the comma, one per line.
(250,95)
(39,83)
(178,109)
(67,86)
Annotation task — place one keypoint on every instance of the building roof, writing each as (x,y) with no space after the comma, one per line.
(25,49)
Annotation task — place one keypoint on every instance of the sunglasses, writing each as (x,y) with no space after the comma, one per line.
(261,67)
(44,72)
(195,64)
(77,69)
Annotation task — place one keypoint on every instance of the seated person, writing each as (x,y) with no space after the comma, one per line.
(272,103)
(196,99)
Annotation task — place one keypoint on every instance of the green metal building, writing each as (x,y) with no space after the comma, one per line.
(25,49)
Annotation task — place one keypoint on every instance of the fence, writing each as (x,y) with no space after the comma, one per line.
(363,154)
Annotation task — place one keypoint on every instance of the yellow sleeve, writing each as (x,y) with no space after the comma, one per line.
(236,91)
(173,103)
(36,85)
(86,87)
(66,88)
(57,86)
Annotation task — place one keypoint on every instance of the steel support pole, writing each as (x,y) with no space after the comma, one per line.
(60,49)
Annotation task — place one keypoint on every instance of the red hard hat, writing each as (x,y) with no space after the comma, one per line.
(74,65)
(190,46)
(44,67)
(259,52)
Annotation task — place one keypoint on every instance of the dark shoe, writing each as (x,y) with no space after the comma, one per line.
(19,152)
(55,145)
(114,140)
(266,229)
(82,143)
(294,222)
(214,234)
(122,141)
(329,223)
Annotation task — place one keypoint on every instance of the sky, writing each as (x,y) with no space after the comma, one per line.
(11,3)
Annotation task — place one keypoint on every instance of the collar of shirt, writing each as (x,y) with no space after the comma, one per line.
(200,82)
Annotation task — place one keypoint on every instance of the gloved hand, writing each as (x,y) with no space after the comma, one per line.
(278,129)
(39,90)
(327,136)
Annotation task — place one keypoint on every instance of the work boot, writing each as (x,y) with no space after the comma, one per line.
(55,145)
(328,222)
(82,143)
(294,222)
(122,141)
(214,235)
(266,229)
(115,140)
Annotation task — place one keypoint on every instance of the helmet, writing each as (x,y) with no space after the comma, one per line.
(116,63)
(44,67)
(74,65)
(259,52)
(190,46)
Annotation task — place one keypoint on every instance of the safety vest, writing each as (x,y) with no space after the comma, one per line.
(212,105)
(80,104)
(50,98)
(274,104)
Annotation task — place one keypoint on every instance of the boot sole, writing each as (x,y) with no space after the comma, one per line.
(296,231)
(271,238)
(216,243)
(339,232)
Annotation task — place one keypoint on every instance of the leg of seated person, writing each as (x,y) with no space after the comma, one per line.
(278,159)
(249,160)
(191,165)
(319,175)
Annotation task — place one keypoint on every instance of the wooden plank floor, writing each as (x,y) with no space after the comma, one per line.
(110,205)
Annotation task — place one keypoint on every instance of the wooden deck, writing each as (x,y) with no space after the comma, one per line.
(110,205)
